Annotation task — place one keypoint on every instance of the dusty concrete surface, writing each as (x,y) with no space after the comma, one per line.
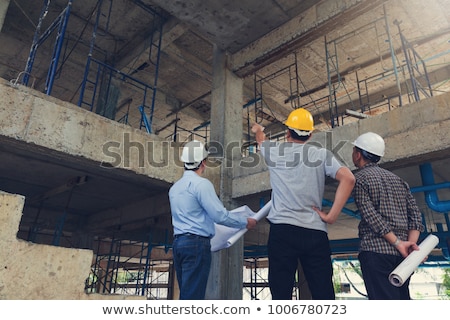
(34,271)
(41,121)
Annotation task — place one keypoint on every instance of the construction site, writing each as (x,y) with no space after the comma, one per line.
(99,97)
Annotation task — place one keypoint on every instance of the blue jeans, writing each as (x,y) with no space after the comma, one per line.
(287,245)
(376,268)
(192,260)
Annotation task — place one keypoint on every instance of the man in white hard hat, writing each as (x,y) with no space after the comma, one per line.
(390,219)
(298,171)
(195,208)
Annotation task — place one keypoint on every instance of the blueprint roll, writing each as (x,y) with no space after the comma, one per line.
(405,269)
(263,212)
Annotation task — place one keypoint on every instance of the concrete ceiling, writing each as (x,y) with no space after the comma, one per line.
(289,71)
(287,51)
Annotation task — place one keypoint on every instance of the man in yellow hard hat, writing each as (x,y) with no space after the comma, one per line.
(297,233)
(195,208)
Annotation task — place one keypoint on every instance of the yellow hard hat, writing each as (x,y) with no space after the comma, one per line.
(300,119)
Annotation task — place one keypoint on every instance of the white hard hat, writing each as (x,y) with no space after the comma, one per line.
(193,153)
(370,142)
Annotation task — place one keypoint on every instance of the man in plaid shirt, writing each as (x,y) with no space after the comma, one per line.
(390,219)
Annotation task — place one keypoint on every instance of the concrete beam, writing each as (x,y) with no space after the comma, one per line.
(141,214)
(140,54)
(310,25)
(133,251)
(40,123)
(3,9)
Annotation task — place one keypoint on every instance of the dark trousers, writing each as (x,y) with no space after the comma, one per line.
(192,261)
(376,268)
(287,245)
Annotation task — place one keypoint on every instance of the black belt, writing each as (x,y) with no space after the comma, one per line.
(190,235)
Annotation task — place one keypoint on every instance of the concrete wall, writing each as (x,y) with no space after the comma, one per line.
(33,271)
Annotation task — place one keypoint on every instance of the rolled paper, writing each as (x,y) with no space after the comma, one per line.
(225,236)
(264,211)
(406,268)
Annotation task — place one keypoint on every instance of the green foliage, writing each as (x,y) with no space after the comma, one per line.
(124,277)
(336,279)
(446,281)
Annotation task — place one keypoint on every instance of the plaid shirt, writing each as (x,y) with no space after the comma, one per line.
(385,204)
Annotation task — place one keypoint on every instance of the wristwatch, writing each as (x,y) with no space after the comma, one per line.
(396,242)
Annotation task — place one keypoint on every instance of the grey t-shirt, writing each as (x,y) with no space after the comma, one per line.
(297,176)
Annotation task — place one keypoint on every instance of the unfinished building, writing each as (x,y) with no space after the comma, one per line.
(97,98)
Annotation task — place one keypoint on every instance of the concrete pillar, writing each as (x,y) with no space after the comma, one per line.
(174,288)
(4,4)
(225,279)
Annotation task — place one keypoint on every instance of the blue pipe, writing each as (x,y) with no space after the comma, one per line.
(431,197)
(354,214)
(433,187)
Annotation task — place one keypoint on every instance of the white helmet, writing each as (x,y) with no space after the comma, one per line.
(370,142)
(193,153)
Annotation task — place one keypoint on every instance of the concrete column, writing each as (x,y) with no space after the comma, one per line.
(4,4)
(225,279)
(174,288)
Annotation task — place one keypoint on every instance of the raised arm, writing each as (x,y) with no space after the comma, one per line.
(258,130)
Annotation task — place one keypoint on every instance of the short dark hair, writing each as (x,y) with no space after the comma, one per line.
(368,156)
(296,136)
(193,169)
